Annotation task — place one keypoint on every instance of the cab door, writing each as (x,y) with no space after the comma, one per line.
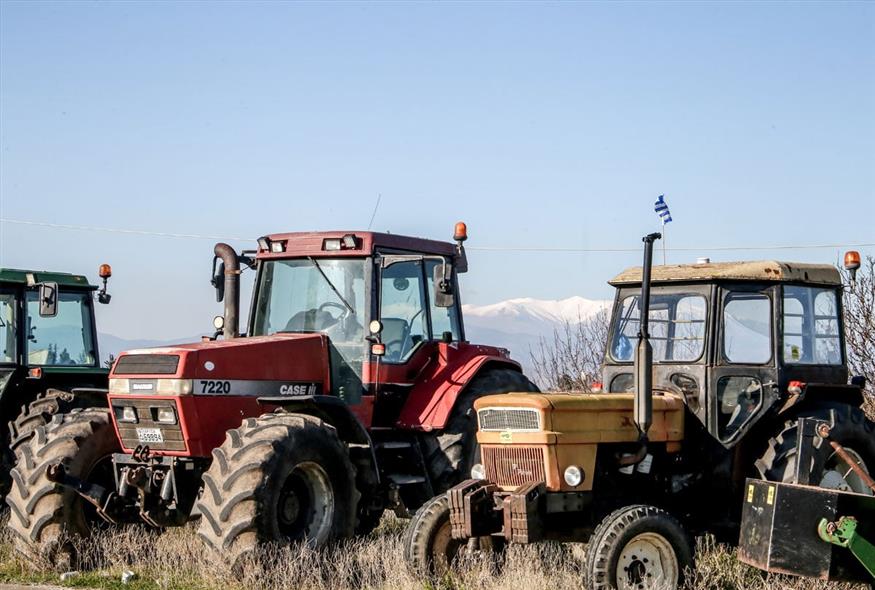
(742,379)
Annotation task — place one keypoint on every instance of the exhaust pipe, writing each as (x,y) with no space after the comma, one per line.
(643,409)
(231,265)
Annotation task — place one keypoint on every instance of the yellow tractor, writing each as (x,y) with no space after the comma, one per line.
(713,373)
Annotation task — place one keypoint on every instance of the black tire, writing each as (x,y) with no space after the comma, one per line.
(848,426)
(428,546)
(44,516)
(612,555)
(37,413)
(278,478)
(450,453)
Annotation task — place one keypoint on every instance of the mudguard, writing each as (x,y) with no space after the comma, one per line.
(432,399)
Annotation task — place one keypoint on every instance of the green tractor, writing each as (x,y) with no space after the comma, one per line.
(49,360)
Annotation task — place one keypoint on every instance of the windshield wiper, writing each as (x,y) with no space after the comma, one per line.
(330,284)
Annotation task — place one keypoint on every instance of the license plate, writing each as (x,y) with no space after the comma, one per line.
(150,435)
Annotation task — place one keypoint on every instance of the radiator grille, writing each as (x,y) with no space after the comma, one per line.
(146,364)
(513,465)
(147,417)
(509,419)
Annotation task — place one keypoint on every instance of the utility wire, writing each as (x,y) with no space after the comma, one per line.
(473,248)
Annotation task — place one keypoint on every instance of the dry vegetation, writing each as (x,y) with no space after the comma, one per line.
(176,559)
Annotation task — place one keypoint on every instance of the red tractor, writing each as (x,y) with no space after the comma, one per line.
(352,393)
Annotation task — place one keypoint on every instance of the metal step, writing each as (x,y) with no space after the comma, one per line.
(403,479)
(393,444)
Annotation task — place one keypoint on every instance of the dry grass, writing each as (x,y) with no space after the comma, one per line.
(176,560)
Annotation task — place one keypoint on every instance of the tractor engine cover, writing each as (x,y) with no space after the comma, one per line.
(181,400)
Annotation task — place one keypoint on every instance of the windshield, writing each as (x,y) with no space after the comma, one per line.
(7,328)
(65,339)
(306,295)
(677,327)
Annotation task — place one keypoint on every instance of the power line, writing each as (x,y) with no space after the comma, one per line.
(472,248)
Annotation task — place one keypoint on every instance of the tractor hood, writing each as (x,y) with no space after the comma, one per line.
(576,417)
(286,358)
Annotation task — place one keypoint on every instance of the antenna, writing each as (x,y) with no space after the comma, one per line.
(376,206)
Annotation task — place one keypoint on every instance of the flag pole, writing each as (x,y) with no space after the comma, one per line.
(663,242)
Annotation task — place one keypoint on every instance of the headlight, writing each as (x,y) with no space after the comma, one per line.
(126,414)
(166,415)
(573,475)
(478,471)
(119,386)
(174,387)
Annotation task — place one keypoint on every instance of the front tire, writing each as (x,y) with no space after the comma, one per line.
(848,426)
(429,548)
(637,547)
(279,478)
(45,515)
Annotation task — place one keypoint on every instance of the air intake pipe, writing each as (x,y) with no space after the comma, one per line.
(643,409)
(231,266)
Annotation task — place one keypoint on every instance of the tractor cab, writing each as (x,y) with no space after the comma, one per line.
(733,338)
(47,334)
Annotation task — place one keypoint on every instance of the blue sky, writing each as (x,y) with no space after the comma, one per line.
(541,125)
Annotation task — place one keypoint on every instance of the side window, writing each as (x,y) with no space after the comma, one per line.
(402,310)
(443,319)
(747,332)
(738,398)
(811,326)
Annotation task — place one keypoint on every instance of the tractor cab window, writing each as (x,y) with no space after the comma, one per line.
(403,309)
(811,326)
(65,339)
(443,319)
(8,332)
(747,328)
(313,295)
(677,327)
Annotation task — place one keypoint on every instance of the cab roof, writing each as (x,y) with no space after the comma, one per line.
(754,271)
(64,279)
(313,244)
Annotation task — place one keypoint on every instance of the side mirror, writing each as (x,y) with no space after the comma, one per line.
(48,300)
(444,294)
(218,279)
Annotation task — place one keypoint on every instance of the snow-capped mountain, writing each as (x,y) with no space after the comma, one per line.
(520,324)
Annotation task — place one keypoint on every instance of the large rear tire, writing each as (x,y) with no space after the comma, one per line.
(44,516)
(450,453)
(278,478)
(637,547)
(848,426)
(37,413)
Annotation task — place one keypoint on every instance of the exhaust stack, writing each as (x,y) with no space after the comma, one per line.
(231,265)
(643,409)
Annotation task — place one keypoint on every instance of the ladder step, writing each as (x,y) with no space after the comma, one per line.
(393,444)
(402,480)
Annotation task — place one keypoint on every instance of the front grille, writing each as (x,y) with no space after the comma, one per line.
(146,364)
(513,465)
(147,417)
(509,419)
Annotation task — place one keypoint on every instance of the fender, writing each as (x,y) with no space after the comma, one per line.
(431,400)
(814,394)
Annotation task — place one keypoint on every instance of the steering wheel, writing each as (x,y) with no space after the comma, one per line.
(344,310)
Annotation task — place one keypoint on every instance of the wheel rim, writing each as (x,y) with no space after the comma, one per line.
(647,561)
(838,474)
(305,507)
(444,548)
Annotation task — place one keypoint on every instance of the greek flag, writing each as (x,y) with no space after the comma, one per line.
(661,208)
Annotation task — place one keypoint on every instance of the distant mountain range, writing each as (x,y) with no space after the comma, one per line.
(515,324)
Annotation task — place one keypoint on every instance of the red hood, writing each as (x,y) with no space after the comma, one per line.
(287,357)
